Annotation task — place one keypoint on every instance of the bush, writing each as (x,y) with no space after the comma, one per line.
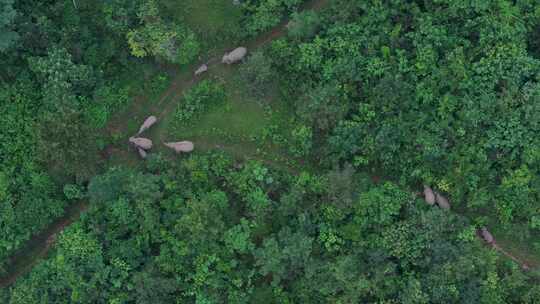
(165,40)
(266,14)
(301,141)
(258,75)
(72,191)
(304,25)
(107,99)
(158,84)
(199,99)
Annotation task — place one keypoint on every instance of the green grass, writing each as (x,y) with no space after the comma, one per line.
(234,123)
(239,125)
(234,119)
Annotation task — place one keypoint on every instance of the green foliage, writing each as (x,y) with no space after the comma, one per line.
(399,88)
(322,107)
(28,196)
(302,143)
(117,182)
(262,14)
(166,40)
(199,99)
(109,99)
(68,145)
(304,25)
(379,207)
(72,191)
(8,36)
(158,84)
(441,93)
(62,79)
(180,237)
(257,75)
(238,238)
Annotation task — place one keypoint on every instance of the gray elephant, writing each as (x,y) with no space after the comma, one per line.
(203,68)
(429,196)
(181,146)
(143,143)
(235,55)
(486,235)
(442,201)
(151,120)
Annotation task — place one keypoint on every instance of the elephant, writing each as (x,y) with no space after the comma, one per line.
(429,195)
(442,201)
(486,235)
(203,68)
(142,153)
(151,120)
(140,142)
(181,146)
(235,55)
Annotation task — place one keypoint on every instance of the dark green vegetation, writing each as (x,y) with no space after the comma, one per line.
(277,203)
(205,230)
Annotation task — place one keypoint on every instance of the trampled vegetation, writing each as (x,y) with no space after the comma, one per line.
(311,153)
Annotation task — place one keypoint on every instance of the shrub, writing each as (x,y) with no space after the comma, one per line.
(165,40)
(258,75)
(304,25)
(301,141)
(72,191)
(265,14)
(158,84)
(107,100)
(199,99)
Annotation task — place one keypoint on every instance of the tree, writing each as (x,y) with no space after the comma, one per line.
(258,75)
(262,15)
(8,36)
(68,145)
(304,25)
(166,40)
(64,80)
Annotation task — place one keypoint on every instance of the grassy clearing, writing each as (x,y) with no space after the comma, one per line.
(233,120)
(239,125)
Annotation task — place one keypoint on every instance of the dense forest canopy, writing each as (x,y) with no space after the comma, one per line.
(311,153)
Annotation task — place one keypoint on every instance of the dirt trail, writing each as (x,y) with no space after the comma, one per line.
(521,263)
(38,246)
